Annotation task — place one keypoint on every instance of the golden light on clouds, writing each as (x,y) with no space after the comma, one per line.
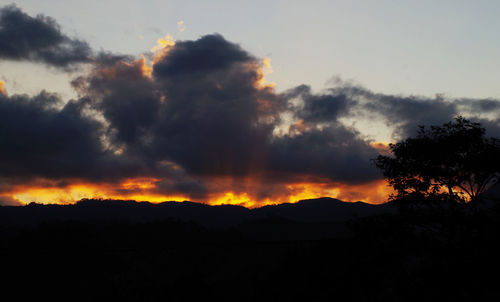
(241,199)
(266,62)
(298,127)
(163,47)
(262,71)
(146,69)
(382,147)
(140,189)
(375,192)
(118,68)
(2,88)
(145,189)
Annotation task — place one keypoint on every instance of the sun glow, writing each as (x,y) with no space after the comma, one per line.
(241,199)
(374,192)
(382,147)
(145,189)
(139,189)
(310,191)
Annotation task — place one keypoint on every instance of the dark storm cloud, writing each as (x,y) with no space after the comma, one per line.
(327,147)
(334,152)
(40,139)
(126,98)
(203,110)
(38,39)
(203,116)
(215,121)
(45,139)
(406,113)
(317,108)
(400,113)
(482,105)
(211,125)
(205,55)
(210,119)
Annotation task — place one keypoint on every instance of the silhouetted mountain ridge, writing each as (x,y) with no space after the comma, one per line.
(309,211)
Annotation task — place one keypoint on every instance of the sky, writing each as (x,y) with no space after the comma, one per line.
(243,102)
(397,47)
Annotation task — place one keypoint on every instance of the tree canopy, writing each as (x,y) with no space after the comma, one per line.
(454,161)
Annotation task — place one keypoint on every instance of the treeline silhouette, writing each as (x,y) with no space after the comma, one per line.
(432,242)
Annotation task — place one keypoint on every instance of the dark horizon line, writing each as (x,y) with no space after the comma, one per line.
(111,200)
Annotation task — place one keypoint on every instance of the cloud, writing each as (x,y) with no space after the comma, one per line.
(2,88)
(210,121)
(334,152)
(9,201)
(38,39)
(207,54)
(492,126)
(196,121)
(402,114)
(317,108)
(201,108)
(43,138)
(118,88)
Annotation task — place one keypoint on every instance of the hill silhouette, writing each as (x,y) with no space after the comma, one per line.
(322,210)
(314,250)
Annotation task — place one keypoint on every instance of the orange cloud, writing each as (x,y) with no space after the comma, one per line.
(2,88)
(146,69)
(375,192)
(164,45)
(139,189)
(263,70)
(383,148)
(122,68)
(244,192)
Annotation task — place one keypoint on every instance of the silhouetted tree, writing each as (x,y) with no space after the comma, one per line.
(453,162)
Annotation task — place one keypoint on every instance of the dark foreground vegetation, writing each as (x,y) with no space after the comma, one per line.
(414,255)
(441,244)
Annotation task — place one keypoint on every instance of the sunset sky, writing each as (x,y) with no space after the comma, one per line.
(242,102)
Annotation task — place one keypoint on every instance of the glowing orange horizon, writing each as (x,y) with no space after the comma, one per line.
(143,189)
